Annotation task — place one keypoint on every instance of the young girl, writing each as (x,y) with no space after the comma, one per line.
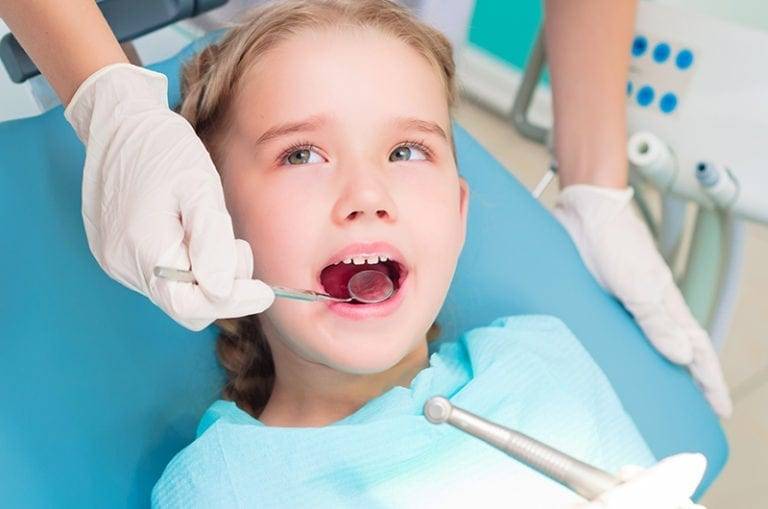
(330,124)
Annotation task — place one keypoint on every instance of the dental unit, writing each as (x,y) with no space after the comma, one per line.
(696,111)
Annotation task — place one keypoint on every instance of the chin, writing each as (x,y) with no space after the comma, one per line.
(371,353)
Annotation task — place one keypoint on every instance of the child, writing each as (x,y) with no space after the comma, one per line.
(330,124)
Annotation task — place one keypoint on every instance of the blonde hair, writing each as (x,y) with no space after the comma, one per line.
(210,81)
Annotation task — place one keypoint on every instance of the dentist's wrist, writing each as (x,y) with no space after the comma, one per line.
(608,174)
(581,195)
(110,86)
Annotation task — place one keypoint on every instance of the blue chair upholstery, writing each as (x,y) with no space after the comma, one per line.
(99,389)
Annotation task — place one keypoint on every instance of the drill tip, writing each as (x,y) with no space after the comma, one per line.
(437,410)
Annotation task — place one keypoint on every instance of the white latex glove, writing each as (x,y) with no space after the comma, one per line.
(669,484)
(152,196)
(618,249)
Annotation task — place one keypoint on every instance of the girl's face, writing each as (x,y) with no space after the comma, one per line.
(339,147)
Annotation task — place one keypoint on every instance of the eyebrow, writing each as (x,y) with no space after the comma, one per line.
(312,123)
(421,125)
(315,122)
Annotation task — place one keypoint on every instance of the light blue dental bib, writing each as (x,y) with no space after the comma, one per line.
(526,372)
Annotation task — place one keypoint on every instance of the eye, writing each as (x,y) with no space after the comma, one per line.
(295,156)
(410,151)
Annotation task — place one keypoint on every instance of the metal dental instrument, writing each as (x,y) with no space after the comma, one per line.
(584,479)
(370,286)
(367,286)
(545,180)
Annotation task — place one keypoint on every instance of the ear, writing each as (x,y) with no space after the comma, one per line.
(463,207)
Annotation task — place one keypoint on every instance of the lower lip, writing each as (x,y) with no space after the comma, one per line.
(366,311)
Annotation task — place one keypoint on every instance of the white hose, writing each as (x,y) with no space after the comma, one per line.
(730,277)
(652,158)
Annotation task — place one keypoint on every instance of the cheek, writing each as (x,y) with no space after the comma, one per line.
(278,222)
(235,197)
(432,210)
(433,213)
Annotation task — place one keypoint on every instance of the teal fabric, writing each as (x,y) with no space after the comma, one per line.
(526,372)
(100,389)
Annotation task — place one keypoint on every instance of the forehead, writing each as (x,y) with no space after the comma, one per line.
(363,76)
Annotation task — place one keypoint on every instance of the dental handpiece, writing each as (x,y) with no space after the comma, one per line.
(584,479)
(545,180)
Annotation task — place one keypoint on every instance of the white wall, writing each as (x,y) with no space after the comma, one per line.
(751,13)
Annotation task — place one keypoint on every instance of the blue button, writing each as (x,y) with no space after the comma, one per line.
(684,59)
(668,102)
(629,88)
(645,95)
(661,52)
(639,45)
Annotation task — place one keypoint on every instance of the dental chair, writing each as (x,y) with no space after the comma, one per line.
(99,388)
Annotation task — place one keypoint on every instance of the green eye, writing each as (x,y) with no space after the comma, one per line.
(299,156)
(302,156)
(407,153)
(400,154)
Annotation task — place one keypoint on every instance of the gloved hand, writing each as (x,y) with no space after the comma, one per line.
(618,249)
(667,485)
(152,196)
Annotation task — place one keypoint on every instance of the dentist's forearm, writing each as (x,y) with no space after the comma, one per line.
(67,39)
(588,51)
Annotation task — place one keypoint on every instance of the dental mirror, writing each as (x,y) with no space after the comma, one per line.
(367,286)
(370,286)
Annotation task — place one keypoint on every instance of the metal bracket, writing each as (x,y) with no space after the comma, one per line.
(524,97)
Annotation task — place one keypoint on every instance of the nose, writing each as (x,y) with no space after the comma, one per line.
(365,196)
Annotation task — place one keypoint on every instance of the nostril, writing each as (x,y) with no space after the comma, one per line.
(379,213)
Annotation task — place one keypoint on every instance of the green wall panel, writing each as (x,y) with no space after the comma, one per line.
(506,28)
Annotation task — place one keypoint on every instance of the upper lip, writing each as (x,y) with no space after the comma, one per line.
(366,249)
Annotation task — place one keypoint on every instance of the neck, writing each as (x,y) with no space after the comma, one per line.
(307,394)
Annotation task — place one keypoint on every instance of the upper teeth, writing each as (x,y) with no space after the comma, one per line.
(360,260)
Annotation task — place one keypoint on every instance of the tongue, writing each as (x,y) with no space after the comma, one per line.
(336,277)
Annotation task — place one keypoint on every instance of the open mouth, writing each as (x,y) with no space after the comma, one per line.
(335,277)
